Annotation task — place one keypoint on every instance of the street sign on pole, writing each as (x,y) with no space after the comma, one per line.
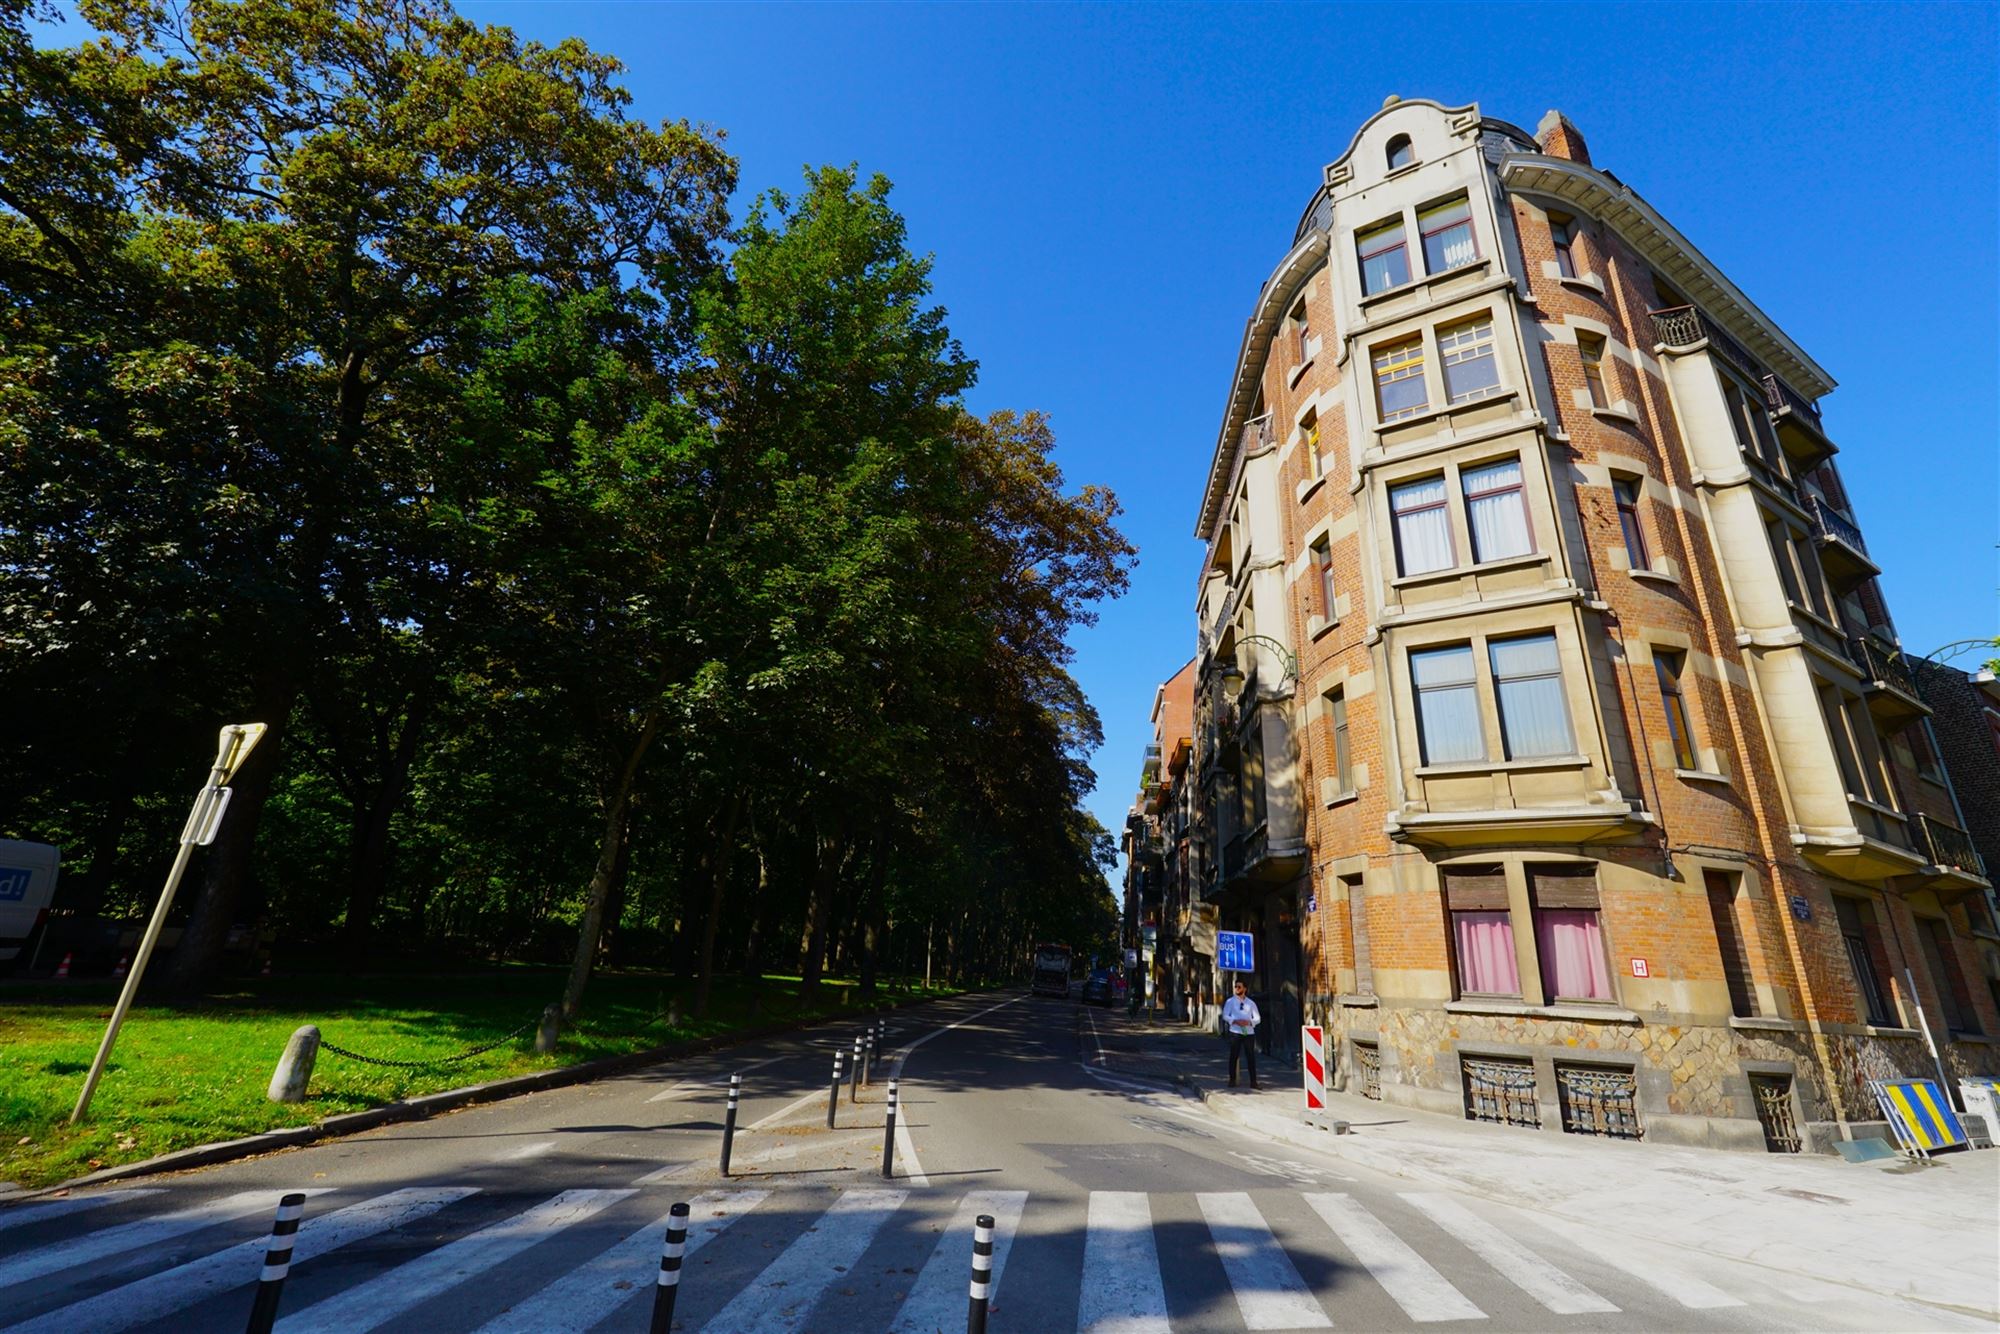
(1235,952)
(233,746)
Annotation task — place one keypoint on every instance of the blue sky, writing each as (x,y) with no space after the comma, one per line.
(1105,187)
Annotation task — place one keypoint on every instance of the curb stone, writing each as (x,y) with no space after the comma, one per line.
(446,1100)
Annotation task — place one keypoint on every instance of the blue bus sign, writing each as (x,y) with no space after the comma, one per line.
(1235,952)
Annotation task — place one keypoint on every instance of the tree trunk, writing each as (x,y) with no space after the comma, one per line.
(372,845)
(875,911)
(617,813)
(753,971)
(826,875)
(226,862)
(724,864)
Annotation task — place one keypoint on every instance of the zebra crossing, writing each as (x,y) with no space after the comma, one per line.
(794,1258)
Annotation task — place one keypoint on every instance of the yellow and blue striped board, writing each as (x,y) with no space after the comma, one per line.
(1925,1115)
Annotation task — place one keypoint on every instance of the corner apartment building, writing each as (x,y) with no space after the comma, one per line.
(1551,733)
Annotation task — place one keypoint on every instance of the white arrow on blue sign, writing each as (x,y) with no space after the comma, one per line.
(1235,952)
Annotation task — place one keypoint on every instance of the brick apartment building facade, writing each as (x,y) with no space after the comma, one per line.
(1549,729)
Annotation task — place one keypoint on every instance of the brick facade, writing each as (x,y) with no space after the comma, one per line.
(1568,340)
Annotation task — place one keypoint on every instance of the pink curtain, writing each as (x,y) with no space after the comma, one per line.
(1485,943)
(1572,951)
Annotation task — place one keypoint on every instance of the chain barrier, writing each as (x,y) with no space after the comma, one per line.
(466,1055)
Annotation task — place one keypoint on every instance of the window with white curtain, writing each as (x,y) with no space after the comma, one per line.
(1421,517)
(1496,509)
(1448,729)
(1527,684)
(1447,233)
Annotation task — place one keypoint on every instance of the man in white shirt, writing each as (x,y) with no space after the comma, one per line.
(1240,1020)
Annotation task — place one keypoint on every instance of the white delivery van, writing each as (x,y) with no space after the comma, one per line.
(27,883)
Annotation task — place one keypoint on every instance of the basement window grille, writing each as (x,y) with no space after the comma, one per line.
(1500,1091)
(1598,1101)
(1368,1061)
(1774,1112)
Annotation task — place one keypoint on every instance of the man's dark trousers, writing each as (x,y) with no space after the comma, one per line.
(1245,1046)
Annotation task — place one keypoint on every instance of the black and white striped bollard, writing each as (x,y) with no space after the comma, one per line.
(669,1286)
(867,1055)
(729,1120)
(833,1093)
(889,1136)
(982,1274)
(277,1263)
(854,1078)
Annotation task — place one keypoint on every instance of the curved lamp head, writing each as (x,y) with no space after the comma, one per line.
(1232,679)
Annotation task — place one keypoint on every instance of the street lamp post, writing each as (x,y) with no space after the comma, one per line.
(1232,674)
(232,748)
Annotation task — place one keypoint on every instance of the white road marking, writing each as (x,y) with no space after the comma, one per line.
(535,1150)
(1269,1291)
(907,1163)
(1516,1263)
(161,1294)
(1677,1283)
(1122,1290)
(596,1289)
(721,1084)
(783,1296)
(906,1148)
(42,1213)
(937,1299)
(819,1094)
(136,1240)
(671,1172)
(1422,1292)
(383,1298)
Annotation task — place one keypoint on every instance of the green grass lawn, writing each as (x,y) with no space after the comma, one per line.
(190,1074)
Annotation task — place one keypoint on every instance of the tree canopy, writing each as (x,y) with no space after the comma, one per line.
(613,577)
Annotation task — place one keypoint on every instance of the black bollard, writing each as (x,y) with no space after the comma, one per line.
(982,1274)
(729,1121)
(833,1093)
(277,1263)
(669,1286)
(889,1136)
(854,1076)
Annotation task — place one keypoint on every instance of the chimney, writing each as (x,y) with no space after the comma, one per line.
(1559,137)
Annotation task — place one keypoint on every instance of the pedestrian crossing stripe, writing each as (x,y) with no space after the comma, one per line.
(1923,1113)
(1121,1284)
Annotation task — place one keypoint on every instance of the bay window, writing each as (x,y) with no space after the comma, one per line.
(1496,509)
(1384,255)
(1448,726)
(1466,352)
(1569,938)
(1482,932)
(1447,234)
(1528,686)
(1421,519)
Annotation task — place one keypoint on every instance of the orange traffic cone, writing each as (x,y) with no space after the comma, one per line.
(62,969)
(124,964)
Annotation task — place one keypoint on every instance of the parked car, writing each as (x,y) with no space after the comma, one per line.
(1098,988)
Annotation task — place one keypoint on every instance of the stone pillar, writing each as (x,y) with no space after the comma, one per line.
(295,1067)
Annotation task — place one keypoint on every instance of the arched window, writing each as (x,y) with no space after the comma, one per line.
(1400,152)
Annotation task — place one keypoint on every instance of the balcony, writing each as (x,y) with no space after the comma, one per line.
(1253,857)
(1799,428)
(1842,553)
(1950,852)
(1686,328)
(1149,769)
(1888,683)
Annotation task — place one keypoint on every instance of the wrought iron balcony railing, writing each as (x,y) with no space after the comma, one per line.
(1782,398)
(1883,667)
(1949,846)
(1685,326)
(1831,524)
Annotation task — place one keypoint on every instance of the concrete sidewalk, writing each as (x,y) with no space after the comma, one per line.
(1927,1233)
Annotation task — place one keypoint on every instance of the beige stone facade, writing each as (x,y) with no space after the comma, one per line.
(1549,726)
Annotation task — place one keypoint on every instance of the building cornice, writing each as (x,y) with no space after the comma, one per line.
(1619,207)
(1299,264)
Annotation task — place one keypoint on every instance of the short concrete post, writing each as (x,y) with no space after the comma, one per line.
(295,1067)
(551,1028)
(674,1012)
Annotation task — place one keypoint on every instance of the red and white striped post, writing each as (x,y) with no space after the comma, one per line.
(1312,1041)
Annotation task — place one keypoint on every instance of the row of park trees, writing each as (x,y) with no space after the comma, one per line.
(607,569)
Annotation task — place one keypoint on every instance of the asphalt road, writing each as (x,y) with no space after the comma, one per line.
(1123,1207)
